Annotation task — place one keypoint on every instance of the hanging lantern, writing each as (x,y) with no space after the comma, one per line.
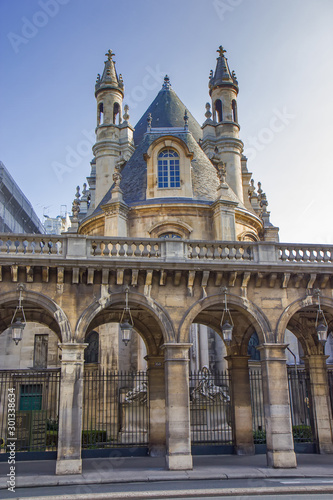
(126,332)
(17,325)
(126,321)
(17,330)
(321,323)
(227,326)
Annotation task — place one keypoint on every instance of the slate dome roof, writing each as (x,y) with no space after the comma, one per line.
(167,110)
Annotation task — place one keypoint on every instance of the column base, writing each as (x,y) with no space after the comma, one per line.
(281,459)
(69,466)
(325,448)
(245,449)
(179,462)
(157,451)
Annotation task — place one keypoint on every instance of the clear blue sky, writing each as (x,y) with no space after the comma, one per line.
(281,50)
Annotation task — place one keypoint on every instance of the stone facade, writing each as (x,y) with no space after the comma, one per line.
(175,217)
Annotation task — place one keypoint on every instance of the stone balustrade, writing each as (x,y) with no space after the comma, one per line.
(219,251)
(305,253)
(73,246)
(31,244)
(132,248)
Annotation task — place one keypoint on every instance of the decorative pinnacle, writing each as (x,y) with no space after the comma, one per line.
(166,85)
(149,120)
(186,119)
(208,113)
(221,172)
(126,115)
(109,55)
(221,51)
(117,175)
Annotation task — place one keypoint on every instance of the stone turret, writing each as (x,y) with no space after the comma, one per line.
(114,137)
(221,128)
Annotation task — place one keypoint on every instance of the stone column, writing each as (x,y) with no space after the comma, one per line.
(320,399)
(203,346)
(279,436)
(70,409)
(178,429)
(156,384)
(241,402)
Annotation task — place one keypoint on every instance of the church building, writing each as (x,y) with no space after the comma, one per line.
(174,320)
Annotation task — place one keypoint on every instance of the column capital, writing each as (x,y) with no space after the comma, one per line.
(177,352)
(272,352)
(154,362)
(72,353)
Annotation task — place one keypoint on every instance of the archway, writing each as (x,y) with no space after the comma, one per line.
(119,406)
(316,399)
(248,321)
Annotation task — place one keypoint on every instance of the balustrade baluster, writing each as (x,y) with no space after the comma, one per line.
(145,251)
(225,252)
(8,245)
(17,245)
(210,252)
(129,249)
(232,253)
(203,251)
(217,252)
(313,255)
(114,249)
(25,246)
(121,252)
(153,252)
(137,251)
(239,253)
(298,254)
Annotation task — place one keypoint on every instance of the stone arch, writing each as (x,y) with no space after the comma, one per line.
(288,320)
(38,308)
(102,311)
(257,319)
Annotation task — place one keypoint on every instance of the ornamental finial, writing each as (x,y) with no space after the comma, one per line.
(109,55)
(221,51)
(166,84)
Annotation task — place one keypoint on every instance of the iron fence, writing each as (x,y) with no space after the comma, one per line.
(210,408)
(257,405)
(299,393)
(115,409)
(330,386)
(29,409)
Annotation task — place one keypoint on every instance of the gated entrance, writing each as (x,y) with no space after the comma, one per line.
(37,408)
(115,409)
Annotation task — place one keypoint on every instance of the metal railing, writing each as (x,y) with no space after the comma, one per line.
(257,405)
(210,408)
(115,409)
(29,408)
(330,386)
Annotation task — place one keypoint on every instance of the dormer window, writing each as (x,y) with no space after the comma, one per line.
(168,169)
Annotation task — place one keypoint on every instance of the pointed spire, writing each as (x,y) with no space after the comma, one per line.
(222,76)
(109,78)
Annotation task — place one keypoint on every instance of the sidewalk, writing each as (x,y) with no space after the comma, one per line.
(143,469)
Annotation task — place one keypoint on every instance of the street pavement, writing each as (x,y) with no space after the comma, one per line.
(207,469)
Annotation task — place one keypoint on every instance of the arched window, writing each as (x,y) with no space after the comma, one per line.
(218,109)
(169,235)
(100,114)
(116,110)
(92,350)
(234,111)
(252,347)
(168,169)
